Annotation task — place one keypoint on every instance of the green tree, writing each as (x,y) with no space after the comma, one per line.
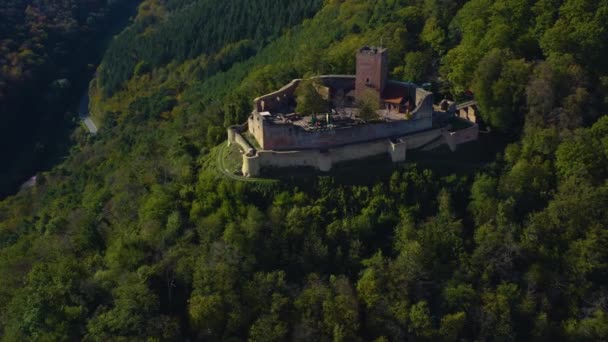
(309,305)
(484,203)
(271,326)
(420,321)
(434,35)
(452,325)
(541,95)
(416,66)
(499,85)
(368,105)
(308,98)
(133,315)
(592,328)
(51,305)
(499,309)
(341,311)
(581,157)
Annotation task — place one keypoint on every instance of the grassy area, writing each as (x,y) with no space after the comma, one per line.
(233,159)
(226,161)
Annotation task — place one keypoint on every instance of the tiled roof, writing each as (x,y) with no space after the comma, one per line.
(394,93)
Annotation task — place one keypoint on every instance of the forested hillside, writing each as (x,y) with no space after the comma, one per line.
(46,47)
(135,235)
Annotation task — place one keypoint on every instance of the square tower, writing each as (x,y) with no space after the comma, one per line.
(372,70)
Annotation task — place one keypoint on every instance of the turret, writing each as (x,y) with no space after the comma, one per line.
(372,70)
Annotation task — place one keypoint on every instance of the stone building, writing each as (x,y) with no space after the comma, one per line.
(372,70)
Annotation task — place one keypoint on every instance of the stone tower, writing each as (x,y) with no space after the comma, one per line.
(372,70)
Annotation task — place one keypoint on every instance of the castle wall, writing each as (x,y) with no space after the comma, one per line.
(424,103)
(418,140)
(468,113)
(290,137)
(231,136)
(454,139)
(325,160)
(277,99)
(244,144)
(397,150)
(235,137)
(346,82)
(255,122)
(254,162)
(289,158)
(251,166)
(359,151)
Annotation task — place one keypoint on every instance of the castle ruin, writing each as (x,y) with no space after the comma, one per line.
(285,138)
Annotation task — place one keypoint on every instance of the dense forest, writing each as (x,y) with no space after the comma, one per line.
(136,236)
(47,48)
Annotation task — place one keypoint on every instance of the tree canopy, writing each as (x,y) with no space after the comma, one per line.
(308,98)
(136,235)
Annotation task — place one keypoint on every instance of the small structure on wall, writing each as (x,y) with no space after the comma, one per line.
(403,120)
(468,110)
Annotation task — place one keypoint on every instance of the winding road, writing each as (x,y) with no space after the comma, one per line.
(83,113)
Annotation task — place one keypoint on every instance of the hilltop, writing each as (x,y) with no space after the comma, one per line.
(137,235)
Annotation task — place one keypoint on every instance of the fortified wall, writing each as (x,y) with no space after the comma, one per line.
(453,139)
(277,100)
(325,160)
(285,137)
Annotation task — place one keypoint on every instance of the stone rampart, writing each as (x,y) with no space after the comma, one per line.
(418,140)
(235,137)
(256,125)
(290,137)
(278,98)
(325,159)
(462,136)
(424,104)
(397,149)
(345,82)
